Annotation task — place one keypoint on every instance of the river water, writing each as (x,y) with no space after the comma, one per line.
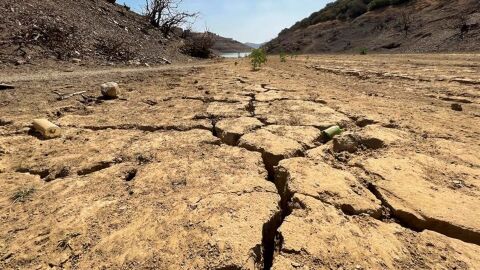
(235,55)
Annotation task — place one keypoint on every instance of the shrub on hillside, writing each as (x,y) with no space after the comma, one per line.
(356,8)
(375,4)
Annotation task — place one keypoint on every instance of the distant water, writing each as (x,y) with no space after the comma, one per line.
(235,55)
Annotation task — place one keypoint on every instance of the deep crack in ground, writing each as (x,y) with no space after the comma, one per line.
(160,153)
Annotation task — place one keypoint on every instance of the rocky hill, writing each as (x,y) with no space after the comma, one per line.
(385,26)
(254,45)
(83,29)
(226,45)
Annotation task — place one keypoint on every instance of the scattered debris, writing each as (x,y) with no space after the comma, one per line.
(457,184)
(4,86)
(457,107)
(241,80)
(150,102)
(130,175)
(47,128)
(89,99)
(62,96)
(134,62)
(166,60)
(4,122)
(345,142)
(110,90)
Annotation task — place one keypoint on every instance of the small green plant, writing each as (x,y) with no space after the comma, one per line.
(257,58)
(283,57)
(363,51)
(22,195)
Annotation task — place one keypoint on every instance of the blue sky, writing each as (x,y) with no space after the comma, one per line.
(245,20)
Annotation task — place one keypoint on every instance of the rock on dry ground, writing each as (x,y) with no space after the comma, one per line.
(212,166)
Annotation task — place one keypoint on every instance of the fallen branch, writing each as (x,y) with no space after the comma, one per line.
(150,102)
(6,86)
(166,60)
(62,96)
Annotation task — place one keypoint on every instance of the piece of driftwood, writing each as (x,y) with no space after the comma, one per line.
(47,128)
(4,86)
(62,96)
(166,60)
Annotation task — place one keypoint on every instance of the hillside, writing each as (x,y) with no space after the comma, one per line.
(84,29)
(254,45)
(414,26)
(226,45)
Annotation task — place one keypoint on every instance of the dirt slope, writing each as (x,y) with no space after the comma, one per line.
(432,26)
(84,29)
(219,167)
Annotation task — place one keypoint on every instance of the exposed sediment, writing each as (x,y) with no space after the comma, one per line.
(205,171)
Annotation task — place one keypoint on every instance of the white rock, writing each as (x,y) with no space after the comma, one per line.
(110,90)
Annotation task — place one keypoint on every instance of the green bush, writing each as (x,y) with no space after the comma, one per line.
(363,51)
(283,57)
(257,58)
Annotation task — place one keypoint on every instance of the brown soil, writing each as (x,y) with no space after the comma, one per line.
(214,166)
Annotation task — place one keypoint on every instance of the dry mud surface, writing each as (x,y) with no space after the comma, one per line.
(217,167)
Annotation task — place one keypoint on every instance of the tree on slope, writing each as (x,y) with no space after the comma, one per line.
(166,15)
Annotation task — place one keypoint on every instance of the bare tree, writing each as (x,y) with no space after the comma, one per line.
(406,21)
(165,14)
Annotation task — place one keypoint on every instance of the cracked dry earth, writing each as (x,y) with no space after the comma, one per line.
(218,167)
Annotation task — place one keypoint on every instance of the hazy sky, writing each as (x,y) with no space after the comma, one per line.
(245,20)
